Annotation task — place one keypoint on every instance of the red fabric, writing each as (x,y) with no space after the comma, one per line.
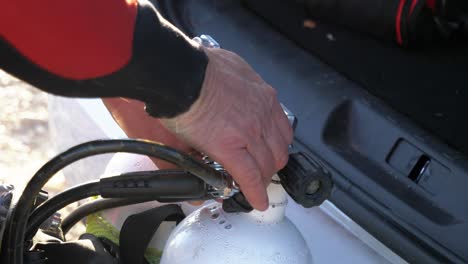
(413,5)
(76,39)
(398,22)
(431,4)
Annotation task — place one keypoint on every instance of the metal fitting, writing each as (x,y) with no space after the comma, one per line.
(230,186)
(207,41)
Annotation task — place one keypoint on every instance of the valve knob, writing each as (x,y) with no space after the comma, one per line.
(305,180)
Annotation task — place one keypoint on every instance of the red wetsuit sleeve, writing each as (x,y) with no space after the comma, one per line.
(77,39)
(101,48)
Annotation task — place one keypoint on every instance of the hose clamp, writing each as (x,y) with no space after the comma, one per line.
(230,187)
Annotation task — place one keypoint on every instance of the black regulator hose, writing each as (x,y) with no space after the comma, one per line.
(59,201)
(14,234)
(161,185)
(95,206)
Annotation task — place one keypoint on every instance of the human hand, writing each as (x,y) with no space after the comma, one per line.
(136,123)
(238,122)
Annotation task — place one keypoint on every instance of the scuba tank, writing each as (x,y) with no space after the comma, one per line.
(211,235)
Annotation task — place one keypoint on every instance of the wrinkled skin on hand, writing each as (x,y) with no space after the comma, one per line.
(237,121)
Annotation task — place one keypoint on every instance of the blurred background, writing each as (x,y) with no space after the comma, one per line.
(25,141)
(25,144)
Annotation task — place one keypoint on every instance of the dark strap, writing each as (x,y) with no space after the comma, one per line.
(138,229)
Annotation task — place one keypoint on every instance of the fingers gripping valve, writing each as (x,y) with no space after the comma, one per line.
(304,179)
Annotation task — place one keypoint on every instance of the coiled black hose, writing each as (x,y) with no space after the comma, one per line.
(15,227)
(58,202)
(95,206)
(162,185)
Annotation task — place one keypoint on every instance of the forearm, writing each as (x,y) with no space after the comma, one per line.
(131,117)
(106,48)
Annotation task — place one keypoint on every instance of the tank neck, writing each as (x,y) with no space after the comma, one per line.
(277,206)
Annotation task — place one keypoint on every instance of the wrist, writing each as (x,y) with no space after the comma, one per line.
(205,100)
(171,65)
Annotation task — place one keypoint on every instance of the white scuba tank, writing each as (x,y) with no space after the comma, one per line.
(211,236)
